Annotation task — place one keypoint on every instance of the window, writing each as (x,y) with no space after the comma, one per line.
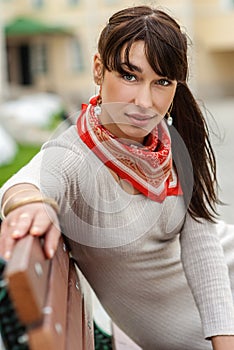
(37,3)
(227,4)
(111,2)
(39,58)
(77,61)
(73,2)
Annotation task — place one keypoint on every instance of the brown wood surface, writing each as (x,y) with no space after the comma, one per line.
(87,313)
(74,311)
(27,274)
(87,323)
(53,298)
(51,334)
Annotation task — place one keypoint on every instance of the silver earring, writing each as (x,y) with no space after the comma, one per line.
(169,119)
(98,110)
(98,107)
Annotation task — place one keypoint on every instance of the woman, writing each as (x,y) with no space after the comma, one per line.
(134,185)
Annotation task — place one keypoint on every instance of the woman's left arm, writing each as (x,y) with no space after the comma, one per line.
(223,342)
(208,277)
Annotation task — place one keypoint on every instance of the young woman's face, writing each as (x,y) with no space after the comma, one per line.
(136,100)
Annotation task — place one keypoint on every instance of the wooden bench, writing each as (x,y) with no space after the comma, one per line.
(52,301)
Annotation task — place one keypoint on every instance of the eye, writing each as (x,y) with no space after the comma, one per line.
(129,77)
(164,82)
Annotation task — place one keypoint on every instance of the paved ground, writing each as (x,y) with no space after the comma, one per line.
(223,113)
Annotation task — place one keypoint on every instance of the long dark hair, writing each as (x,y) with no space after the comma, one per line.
(166,52)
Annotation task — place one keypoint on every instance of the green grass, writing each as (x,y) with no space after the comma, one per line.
(26,151)
(55,120)
(24,154)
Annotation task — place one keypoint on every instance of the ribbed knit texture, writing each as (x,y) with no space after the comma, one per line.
(150,264)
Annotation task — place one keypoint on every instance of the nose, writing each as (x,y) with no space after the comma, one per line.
(144,97)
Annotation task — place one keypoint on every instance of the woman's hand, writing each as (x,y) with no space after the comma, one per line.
(37,219)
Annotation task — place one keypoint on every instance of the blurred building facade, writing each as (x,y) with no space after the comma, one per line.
(49,44)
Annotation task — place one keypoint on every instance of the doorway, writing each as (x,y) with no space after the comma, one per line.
(25,65)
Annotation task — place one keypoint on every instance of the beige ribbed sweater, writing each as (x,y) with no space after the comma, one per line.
(162,276)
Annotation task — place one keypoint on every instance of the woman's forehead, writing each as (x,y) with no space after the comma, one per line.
(135,56)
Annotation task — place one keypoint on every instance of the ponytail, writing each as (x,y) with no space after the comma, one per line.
(192,127)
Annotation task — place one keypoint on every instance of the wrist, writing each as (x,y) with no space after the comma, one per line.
(223,342)
(24,197)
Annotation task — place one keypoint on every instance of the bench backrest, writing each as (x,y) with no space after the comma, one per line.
(49,298)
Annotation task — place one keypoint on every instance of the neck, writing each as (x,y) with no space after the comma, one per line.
(116,130)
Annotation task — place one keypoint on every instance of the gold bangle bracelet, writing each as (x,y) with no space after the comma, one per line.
(30,200)
(12,196)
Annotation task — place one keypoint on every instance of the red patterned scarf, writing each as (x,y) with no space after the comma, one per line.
(148,168)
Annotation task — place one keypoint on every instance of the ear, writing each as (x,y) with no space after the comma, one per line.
(97,69)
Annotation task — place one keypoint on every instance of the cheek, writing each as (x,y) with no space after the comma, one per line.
(162,101)
(116,92)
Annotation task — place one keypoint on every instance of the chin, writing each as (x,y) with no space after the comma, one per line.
(134,133)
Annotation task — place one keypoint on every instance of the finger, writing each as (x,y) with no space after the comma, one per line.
(3,228)
(51,241)
(6,242)
(42,221)
(20,225)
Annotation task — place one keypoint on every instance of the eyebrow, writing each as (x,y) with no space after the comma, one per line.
(131,66)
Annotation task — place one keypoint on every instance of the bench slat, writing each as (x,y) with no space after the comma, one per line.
(51,334)
(87,313)
(74,311)
(27,274)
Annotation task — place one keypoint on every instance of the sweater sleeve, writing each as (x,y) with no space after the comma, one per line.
(208,276)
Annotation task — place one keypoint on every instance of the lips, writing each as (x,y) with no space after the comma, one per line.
(139,120)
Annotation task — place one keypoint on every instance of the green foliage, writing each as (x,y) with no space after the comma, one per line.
(24,154)
(27,151)
(55,120)
(102,340)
